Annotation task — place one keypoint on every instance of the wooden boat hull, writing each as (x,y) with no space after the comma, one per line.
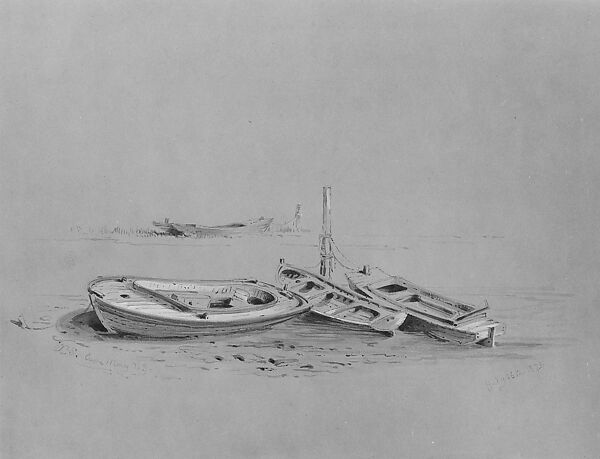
(258,226)
(161,308)
(436,315)
(333,302)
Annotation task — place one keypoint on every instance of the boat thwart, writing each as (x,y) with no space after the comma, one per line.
(162,308)
(435,314)
(333,302)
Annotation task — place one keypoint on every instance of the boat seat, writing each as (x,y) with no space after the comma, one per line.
(220,302)
(240,295)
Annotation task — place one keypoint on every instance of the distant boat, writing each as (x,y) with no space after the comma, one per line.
(255,226)
(163,227)
(333,302)
(435,314)
(163,308)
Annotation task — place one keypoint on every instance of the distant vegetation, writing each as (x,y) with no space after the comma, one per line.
(105,231)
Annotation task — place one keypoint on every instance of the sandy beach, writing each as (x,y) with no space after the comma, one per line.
(303,388)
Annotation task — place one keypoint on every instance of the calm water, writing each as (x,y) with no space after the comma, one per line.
(317,388)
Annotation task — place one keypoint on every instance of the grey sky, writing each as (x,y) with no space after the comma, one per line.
(424,116)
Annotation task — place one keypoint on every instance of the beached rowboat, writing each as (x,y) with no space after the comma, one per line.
(255,226)
(435,314)
(161,308)
(333,302)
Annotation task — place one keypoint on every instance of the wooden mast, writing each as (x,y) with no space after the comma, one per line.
(325,237)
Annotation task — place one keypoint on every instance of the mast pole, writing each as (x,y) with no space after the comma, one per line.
(325,239)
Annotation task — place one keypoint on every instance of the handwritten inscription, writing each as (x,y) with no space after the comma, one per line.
(511,376)
(89,359)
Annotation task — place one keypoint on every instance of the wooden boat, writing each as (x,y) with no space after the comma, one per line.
(163,227)
(435,314)
(255,226)
(333,302)
(162,308)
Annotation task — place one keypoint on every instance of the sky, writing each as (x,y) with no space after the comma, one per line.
(451,117)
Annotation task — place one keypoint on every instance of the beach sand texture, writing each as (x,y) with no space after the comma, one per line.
(303,388)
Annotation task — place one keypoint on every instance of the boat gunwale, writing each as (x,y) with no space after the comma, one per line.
(427,293)
(349,293)
(382,311)
(238,225)
(449,324)
(191,320)
(286,303)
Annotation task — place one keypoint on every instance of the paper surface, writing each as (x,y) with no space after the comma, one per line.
(460,140)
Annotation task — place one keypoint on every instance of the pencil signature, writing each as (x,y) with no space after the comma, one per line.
(510,376)
(89,359)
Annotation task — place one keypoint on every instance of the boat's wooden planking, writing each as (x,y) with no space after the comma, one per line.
(437,315)
(336,303)
(130,306)
(122,323)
